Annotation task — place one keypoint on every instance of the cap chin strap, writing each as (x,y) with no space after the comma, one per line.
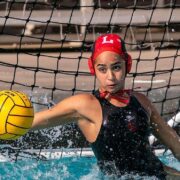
(122,96)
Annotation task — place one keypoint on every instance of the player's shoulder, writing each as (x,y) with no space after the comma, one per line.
(85,96)
(144,100)
(139,95)
(87,105)
(84,99)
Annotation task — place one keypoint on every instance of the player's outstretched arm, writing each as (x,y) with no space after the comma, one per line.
(161,129)
(165,133)
(66,111)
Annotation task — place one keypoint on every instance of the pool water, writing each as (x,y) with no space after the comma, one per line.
(68,168)
(64,168)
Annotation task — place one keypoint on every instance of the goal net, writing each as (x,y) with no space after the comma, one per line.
(45,44)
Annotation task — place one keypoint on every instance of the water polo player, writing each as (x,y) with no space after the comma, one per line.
(117,122)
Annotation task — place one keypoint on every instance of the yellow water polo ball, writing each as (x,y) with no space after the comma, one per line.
(16,114)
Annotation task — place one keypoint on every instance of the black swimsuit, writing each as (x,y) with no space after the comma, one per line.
(122,144)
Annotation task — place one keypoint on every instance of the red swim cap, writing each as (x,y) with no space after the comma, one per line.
(109,42)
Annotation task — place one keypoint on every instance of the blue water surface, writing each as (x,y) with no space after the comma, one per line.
(67,168)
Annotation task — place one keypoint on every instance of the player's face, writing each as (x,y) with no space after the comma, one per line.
(110,71)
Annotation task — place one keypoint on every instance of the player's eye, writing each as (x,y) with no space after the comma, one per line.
(117,67)
(102,69)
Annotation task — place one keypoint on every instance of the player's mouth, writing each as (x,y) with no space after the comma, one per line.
(111,85)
